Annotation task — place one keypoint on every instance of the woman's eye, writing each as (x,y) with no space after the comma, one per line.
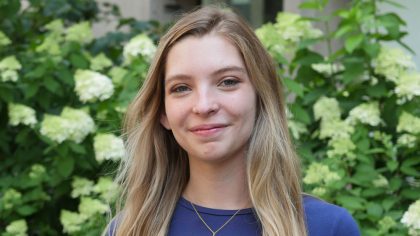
(229,82)
(179,89)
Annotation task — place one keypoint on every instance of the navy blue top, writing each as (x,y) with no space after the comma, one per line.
(322,219)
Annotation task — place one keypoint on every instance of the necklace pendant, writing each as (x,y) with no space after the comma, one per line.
(214,234)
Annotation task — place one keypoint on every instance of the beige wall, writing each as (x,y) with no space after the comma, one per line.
(139,9)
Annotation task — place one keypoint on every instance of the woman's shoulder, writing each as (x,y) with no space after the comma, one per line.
(323,218)
(112,226)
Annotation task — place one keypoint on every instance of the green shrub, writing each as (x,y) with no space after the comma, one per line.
(62,97)
(354,112)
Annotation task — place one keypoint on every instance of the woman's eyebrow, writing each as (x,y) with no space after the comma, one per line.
(213,74)
(177,77)
(229,69)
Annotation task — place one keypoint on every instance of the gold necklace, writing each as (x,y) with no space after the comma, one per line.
(208,227)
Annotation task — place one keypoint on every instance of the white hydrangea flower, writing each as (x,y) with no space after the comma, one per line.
(408,86)
(9,75)
(392,63)
(100,62)
(21,114)
(408,123)
(72,222)
(341,147)
(319,191)
(72,124)
(4,40)
(335,129)
(81,187)
(326,109)
(88,207)
(10,63)
(50,45)
(80,32)
(407,140)
(8,69)
(10,198)
(411,218)
(106,188)
(17,228)
(296,128)
(366,113)
(117,74)
(81,123)
(92,86)
(56,128)
(318,173)
(380,182)
(283,36)
(385,224)
(55,26)
(139,45)
(293,28)
(108,147)
(37,171)
(327,69)
(271,39)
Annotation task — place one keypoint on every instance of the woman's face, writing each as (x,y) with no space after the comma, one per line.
(210,103)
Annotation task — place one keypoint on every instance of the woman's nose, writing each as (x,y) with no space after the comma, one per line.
(205,102)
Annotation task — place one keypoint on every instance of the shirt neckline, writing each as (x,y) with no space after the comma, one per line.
(187,204)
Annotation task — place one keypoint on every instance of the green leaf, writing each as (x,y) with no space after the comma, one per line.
(353,42)
(77,148)
(6,95)
(350,202)
(411,171)
(67,77)
(51,85)
(395,4)
(392,165)
(306,57)
(26,210)
(374,209)
(294,86)
(353,71)
(409,162)
(372,192)
(391,22)
(31,90)
(300,114)
(389,202)
(65,165)
(410,193)
(344,29)
(377,91)
(37,72)
(79,61)
(372,49)
(9,9)
(395,184)
(310,5)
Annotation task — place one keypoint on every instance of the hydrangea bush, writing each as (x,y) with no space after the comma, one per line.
(354,111)
(63,94)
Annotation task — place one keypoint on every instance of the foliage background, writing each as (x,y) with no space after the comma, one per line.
(353,113)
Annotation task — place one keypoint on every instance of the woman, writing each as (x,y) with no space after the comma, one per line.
(208,143)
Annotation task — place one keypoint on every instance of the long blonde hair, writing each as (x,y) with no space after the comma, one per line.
(156,170)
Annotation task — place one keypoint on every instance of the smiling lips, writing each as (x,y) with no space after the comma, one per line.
(207,129)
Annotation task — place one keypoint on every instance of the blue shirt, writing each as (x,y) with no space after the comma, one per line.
(322,219)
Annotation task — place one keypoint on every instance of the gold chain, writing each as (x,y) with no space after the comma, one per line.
(208,227)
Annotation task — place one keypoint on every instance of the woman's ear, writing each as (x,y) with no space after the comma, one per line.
(164,121)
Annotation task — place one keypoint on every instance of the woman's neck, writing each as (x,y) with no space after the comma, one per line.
(218,186)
